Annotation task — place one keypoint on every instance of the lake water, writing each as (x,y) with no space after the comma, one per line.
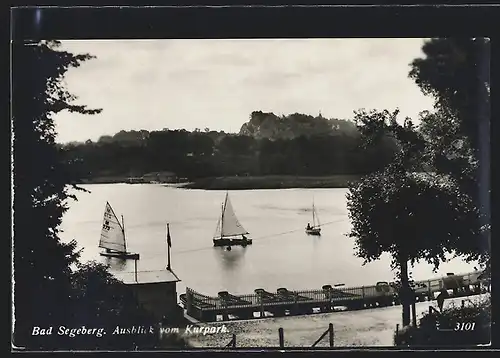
(282,255)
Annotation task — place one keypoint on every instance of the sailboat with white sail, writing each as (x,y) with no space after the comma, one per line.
(113,236)
(229,231)
(315,229)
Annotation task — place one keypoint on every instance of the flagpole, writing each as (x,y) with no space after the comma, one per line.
(168,247)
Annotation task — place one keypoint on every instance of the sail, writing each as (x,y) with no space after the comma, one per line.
(229,224)
(112,234)
(316,222)
(217,229)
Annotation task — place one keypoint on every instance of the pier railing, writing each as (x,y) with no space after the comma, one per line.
(206,307)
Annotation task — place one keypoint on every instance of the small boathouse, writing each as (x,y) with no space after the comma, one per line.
(156,291)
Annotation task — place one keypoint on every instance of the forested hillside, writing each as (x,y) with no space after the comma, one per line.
(297,144)
(268,125)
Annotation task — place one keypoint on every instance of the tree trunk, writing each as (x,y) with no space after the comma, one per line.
(483,140)
(405,292)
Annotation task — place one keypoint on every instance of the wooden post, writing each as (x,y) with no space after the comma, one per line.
(189,301)
(463,303)
(234,341)
(281,337)
(414,314)
(225,313)
(261,301)
(330,327)
(429,290)
(397,329)
(405,291)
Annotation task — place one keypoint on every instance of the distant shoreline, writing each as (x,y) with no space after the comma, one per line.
(250,182)
(272,182)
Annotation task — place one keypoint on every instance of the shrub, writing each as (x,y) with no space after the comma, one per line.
(455,326)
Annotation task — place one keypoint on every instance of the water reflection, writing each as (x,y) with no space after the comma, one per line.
(316,241)
(270,262)
(230,259)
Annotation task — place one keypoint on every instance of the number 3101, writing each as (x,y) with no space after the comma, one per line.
(465,326)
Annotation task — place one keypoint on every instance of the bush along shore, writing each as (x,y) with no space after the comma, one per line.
(271,182)
(455,326)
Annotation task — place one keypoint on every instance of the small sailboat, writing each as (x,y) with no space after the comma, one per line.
(229,229)
(113,236)
(315,229)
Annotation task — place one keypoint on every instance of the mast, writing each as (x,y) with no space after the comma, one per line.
(169,244)
(314,216)
(123,231)
(222,217)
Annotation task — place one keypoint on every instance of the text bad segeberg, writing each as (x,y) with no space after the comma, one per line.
(69,332)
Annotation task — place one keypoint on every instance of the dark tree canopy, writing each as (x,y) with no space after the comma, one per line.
(51,287)
(196,155)
(446,144)
(455,71)
(417,216)
(41,261)
(408,209)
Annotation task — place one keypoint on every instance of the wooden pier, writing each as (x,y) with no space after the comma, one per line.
(284,302)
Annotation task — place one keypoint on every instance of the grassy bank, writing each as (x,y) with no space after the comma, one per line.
(272,182)
(105,180)
(116,179)
(249,182)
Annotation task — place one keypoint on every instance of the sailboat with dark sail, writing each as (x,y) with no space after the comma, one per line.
(113,236)
(229,231)
(315,229)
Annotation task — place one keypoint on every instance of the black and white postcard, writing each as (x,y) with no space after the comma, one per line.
(250,193)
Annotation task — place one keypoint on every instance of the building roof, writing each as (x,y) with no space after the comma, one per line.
(143,277)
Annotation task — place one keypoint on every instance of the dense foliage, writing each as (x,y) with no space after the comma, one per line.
(51,287)
(454,326)
(264,125)
(41,262)
(411,215)
(423,216)
(199,154)
(456,73)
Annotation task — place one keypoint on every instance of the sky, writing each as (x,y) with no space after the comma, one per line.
(216,84)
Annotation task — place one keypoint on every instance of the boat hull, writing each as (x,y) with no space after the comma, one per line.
(315,232)
(121,255)
(232,242)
